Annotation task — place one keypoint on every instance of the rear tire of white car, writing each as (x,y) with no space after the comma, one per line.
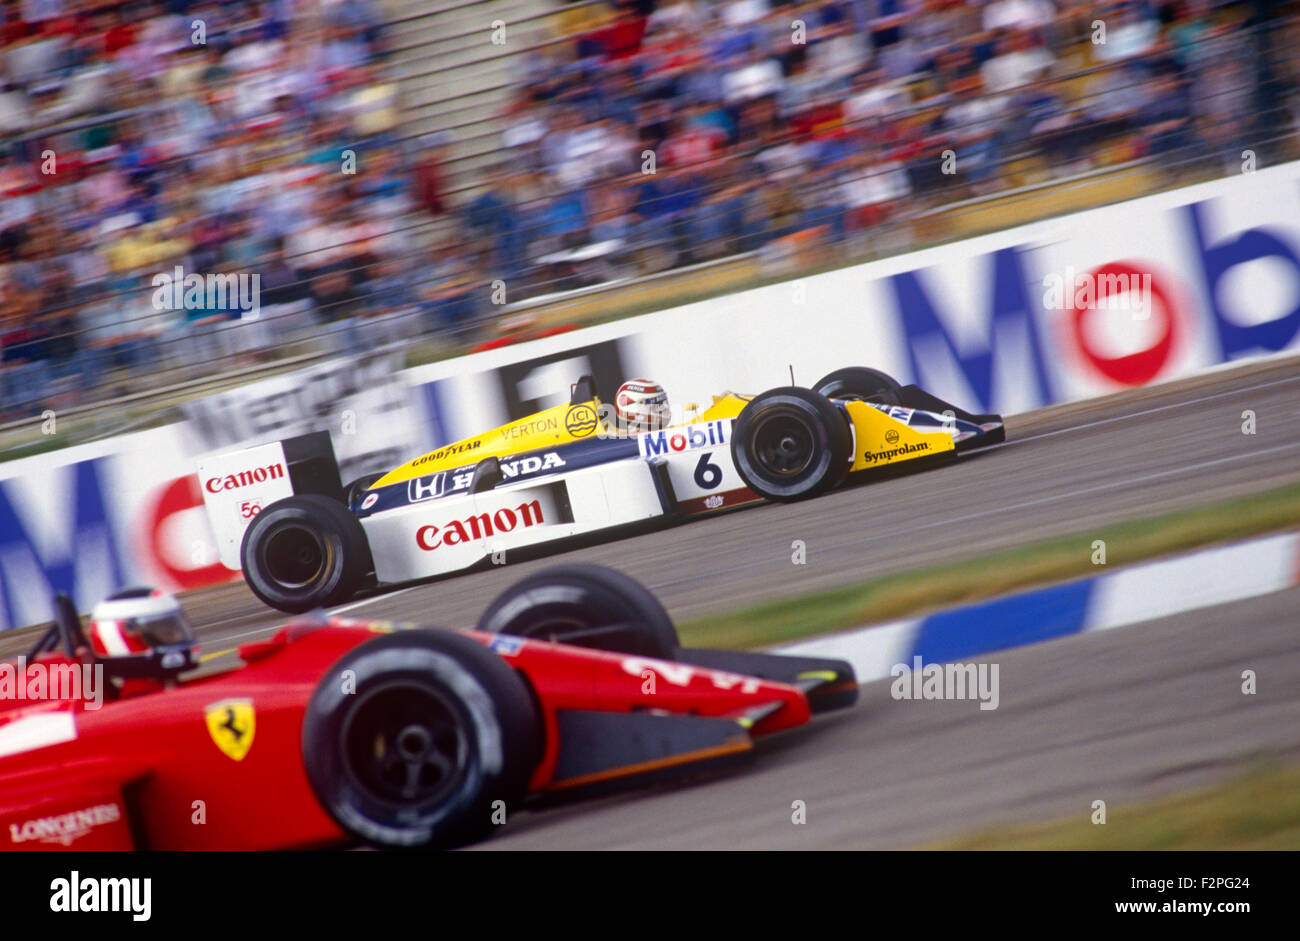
(586,606)
(860,384)
(305,551)
(791,443)
(420,739)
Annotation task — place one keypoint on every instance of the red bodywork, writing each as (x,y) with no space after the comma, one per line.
(144,771)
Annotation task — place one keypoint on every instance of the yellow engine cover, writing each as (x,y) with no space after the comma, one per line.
(558,425)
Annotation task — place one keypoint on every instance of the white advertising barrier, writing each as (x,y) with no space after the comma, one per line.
(1078,306)
(1004,322)
(362,401)
(89,519)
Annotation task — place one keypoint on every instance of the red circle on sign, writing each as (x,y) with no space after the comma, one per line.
(181,494)
(1133,369)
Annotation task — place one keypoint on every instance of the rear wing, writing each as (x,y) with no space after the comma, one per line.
(237,485)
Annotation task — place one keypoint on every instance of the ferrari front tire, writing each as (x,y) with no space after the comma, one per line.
(791,443)
(587,606)
(305,551)
(420,739)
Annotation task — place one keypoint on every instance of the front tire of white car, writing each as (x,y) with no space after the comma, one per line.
(790,444)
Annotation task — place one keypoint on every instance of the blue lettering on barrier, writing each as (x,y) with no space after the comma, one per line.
(1011,318)
(1236,339)
(76,572)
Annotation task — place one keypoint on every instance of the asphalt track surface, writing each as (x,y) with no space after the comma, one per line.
(1114,716)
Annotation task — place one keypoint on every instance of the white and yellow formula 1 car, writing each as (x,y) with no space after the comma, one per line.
(303,540)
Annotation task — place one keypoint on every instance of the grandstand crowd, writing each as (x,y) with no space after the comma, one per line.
(638,136)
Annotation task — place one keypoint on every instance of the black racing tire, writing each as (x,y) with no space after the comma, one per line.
(305,551)
(861,384)
(571,603)
(357,487)
(412,738)
(791,443)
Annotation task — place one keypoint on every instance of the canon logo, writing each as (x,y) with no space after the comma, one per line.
(245,478)
(481,526)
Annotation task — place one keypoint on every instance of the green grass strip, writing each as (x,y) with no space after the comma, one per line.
(904,594)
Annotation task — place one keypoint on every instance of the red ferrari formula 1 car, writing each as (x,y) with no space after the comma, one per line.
(336,731)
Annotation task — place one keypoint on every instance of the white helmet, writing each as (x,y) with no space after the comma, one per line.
(642,405)
(142,632)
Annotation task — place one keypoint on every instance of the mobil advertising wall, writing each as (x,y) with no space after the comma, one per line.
(1074,307)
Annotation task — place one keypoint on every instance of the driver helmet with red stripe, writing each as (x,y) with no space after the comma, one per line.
(642,405)
(142,632)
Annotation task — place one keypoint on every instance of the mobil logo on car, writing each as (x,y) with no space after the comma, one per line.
(710,434)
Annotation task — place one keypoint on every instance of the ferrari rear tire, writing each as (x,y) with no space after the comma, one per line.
(305,551)
(861,384)
(587,606)
(791,443)
(420,739)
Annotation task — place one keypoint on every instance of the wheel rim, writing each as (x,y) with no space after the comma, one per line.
(406,745)
(783,444)
(296,556)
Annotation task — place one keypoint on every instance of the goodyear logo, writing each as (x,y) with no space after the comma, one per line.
(447,452)
(580,421)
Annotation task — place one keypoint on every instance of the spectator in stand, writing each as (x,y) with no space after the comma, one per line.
(974,125)
(755,75)
(1021,58)
(22,350)
(447,296)
(1166,115)
(431,178)
(495,218)
(663,210)
(1037,113)
(1129,33)
(1018,14)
